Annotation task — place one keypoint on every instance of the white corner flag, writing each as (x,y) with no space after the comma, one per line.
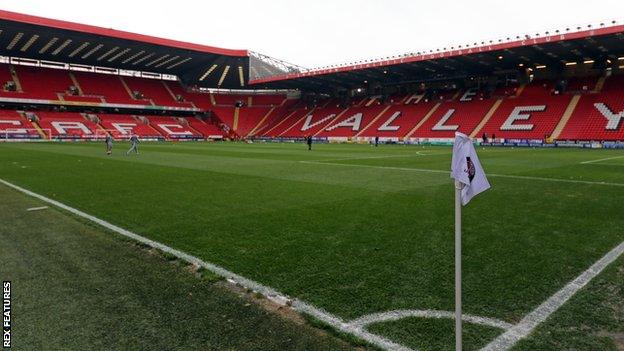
(470,181)
(467,169)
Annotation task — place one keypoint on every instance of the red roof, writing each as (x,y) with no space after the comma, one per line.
(108,32)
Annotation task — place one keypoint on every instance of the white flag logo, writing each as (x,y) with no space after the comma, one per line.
(467,169)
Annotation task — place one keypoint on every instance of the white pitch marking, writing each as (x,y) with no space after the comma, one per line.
(521,330)
(489,174)
(600,160)
(298,305)
(401,314)
(37,208)
(419,153)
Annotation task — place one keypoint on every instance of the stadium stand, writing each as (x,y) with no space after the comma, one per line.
(597,117)
(154,90)
(67,125)
(526,118)
(123,126)
(353,121)
(398,121)
(455,116)
(206,128)
(173,128)
(15,126)
(111,87)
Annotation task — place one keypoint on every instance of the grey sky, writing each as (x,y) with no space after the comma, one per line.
(322,32)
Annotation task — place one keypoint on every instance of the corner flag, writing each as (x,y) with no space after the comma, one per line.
(470,181)
(467,169)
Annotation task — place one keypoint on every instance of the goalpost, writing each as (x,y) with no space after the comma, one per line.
(25,134)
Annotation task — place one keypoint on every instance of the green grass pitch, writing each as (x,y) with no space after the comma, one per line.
(357,230)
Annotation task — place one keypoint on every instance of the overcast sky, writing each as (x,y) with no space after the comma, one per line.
(321,32)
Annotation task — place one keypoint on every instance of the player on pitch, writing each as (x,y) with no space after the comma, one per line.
(109,144)
(134,145)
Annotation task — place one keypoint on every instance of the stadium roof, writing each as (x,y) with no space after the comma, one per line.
(60,41)
(599,46)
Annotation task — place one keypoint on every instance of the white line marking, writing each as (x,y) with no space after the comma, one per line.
(600,160)
(559,180)
(418,153)
(298,305)
(521,330)
(37,208)
(401,314)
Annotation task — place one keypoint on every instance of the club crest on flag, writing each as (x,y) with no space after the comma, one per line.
(470,169)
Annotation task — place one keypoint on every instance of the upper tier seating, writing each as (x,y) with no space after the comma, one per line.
(154,90)
(56,82)
(110,87)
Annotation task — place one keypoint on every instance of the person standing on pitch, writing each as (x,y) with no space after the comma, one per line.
(309,141)
(134,145)
(109,144)
(376,141)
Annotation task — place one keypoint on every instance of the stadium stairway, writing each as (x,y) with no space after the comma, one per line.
(338,116)
(277,122)
(422,121)
(567,114)
(299,120)
(74,80)
(16,79)
(486,119)
(264,118)
(373,121)
(600,84)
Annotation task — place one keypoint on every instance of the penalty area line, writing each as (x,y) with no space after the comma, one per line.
(600,160)
(521,330)
(273,294)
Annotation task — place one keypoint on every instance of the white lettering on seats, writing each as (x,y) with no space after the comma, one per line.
(387,126)
(124,128)
(414,99)
(518,114)
(13,130)
(468,95)
(615,119)
(63,127)
(440,125)
(169,129)
(353,122)
(308,122)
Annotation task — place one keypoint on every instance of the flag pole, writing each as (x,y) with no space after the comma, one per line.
(458,285)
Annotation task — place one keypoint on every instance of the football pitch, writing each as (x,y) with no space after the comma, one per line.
(364,235)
